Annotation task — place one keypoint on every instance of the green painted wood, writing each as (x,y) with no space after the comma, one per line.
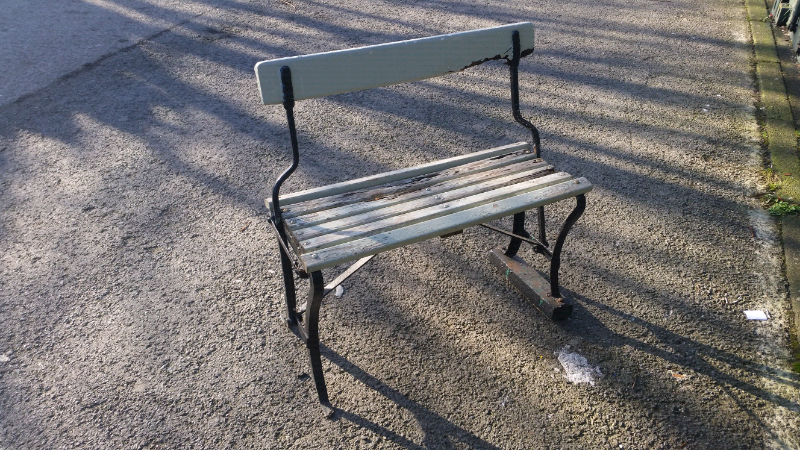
(414,189)
(438,226)
(310,210)
(337,72)
(387,177)
(428,209)
(446,193)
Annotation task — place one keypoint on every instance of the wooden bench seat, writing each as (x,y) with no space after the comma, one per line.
(370,215)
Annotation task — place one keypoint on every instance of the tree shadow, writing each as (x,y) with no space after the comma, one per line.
(439,432)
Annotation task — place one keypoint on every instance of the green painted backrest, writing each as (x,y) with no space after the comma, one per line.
(337,72)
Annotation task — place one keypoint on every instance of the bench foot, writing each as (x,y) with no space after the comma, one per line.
(531,284)
(306,325)
(316,371)
(311,334)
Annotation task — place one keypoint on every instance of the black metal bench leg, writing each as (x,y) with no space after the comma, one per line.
(555,260)
(289,289)
(519,229)
(542,234)
(312,334)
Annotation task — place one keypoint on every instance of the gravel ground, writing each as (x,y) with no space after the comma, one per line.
(140,293)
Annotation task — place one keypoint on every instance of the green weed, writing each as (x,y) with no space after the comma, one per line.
(781,208)
(771,179)
(795,348)
(778,206)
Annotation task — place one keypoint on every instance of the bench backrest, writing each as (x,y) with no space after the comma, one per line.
(337,72)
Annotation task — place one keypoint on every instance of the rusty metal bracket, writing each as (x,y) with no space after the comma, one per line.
(538,244)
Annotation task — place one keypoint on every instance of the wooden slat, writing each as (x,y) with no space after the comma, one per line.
(376,198)
(399,188)
(388,177)
(445,194)
(329,73)
(446,209)
(443,225)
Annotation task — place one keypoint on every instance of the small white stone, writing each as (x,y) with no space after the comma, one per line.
(4,359)
(339,292)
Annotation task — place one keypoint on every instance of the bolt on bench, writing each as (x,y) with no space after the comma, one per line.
(354,220)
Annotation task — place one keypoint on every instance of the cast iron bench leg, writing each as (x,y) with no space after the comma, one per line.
(555,260)
(312,334)
(519,229)
(306,328)
(289,289)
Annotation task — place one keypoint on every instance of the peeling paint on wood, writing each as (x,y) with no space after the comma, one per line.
(337,72)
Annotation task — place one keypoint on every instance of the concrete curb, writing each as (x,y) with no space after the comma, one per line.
(779,126)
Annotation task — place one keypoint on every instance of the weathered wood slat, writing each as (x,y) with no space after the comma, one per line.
(413,189)
(329,73)
(388,177)
(446,209)
(445,194)
(400,188)
(421,231)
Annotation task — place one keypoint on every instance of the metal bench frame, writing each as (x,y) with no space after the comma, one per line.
(304,320)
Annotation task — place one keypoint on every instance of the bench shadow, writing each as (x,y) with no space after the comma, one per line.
(438,431)
(587,326)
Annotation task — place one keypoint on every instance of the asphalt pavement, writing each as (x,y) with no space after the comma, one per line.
(140,288)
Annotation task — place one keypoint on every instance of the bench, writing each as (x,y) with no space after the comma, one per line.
(353,220)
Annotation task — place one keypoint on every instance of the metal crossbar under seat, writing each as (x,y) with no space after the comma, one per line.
(353,220)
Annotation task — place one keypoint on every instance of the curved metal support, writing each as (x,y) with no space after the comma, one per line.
(514,73)
(288,104)
(307,329)
(519,229)
(311,334)
(277,217)
(555,261)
